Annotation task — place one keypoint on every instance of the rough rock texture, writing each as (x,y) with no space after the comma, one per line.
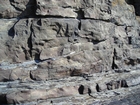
(70,52)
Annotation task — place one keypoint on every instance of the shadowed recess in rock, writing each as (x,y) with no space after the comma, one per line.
(98,89)
(3,100)
(81,89)
(136,4)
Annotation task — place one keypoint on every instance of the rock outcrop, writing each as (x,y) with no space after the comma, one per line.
(64,52)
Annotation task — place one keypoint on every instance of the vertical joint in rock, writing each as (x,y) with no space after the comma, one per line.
(79,25)
(98,89)
(30,41)
(129,40)
(81,89)
(114,66)
(80,15)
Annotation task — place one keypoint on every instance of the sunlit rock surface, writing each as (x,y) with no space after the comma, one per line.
(83,52)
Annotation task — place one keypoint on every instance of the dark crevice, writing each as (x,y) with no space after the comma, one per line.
(37,56)
(136,4)
(129,40)
(79,25)
(80,14)
(59,28)
(124,83)
(96,41)
(114,66)
(98,89)
(115,52)
(68,57)
(89,91)
(52,16)
(30,46)
(3,100)
(67,30)
(30,10)
(31,77)
(81,89)
(39,22)
(5,80)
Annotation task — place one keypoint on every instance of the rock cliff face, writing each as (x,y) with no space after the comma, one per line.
(83,52)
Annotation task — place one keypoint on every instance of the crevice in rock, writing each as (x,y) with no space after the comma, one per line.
(3,100)
(67,30)
(114,65)
(89,92)
(80,14)
(136,4)
(52,16)
(96,41)
(37,56)
(29,11)
(81,89)
(68,58)
(98,89)
(123,83)
(31,77)
(5,80)
(29,42)
(39,22)
(129,40)
(79,25)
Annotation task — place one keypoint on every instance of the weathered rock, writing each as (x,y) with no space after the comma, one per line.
(57,8)
(34,95)
(101,11)
(39,74)
(43,38)
(5,75)
(19,46)
(19,74)
(17,8)
(21,96)
(6,25)
(79,52)
(89,30)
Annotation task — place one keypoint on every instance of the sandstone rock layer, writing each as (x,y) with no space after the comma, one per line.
(66,52)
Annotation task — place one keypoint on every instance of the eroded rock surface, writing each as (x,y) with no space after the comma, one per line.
(69,52)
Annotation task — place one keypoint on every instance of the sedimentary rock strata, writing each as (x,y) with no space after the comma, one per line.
(69,52)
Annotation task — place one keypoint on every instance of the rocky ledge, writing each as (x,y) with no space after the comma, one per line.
(78,52)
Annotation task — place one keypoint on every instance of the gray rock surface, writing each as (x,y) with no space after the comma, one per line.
(60,52)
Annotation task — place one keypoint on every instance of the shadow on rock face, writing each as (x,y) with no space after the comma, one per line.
(3,100)
(136,4)
(81,89)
